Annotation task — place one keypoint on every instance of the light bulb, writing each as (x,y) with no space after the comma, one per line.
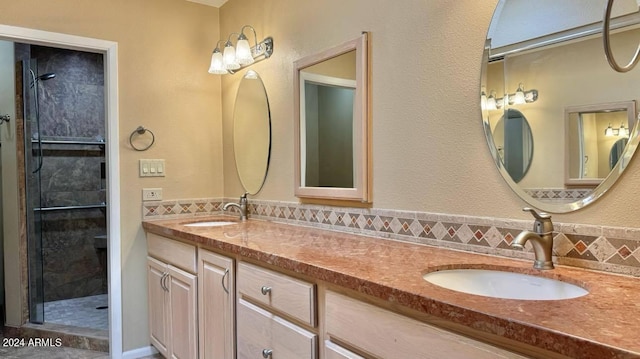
(608,131)
(217,66)
(243,51)
(491,101)
(623,131)
(518,98)
(483,101)
(229,57)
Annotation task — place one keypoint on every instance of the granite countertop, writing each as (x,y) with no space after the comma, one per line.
(603,324)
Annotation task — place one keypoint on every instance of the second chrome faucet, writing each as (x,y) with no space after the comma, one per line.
(541,239)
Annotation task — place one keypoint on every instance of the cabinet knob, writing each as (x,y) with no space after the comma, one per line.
(265,290)
(266,353)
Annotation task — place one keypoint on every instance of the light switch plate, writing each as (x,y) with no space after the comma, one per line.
(152,194)
(152,168)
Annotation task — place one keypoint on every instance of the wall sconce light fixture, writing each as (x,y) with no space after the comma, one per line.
(613,131)
(518,98)
(232,59)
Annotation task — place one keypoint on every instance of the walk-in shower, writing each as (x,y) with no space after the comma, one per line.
(65,186)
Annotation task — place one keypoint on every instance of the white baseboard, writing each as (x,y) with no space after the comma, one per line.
(139,353)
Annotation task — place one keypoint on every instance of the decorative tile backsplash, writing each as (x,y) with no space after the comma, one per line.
(610,249)
(559,194)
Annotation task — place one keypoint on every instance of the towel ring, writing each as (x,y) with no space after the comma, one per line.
(607,44)
(141,131)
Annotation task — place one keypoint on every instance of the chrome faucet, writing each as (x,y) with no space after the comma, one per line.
(242,206)
(541,238)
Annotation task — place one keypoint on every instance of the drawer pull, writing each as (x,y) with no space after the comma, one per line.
(226,273)
(265,290)
(163,282)
(266,353)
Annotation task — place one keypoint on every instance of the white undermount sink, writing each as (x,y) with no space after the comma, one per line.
(209,224)
(505,285)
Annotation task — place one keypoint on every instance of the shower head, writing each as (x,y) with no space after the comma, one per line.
(47,76)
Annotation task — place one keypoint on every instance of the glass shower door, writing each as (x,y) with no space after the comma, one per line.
(32,156)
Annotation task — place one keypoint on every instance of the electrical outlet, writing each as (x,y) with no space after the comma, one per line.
(151,194)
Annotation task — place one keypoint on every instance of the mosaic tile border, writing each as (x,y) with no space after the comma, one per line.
(558,194)
(176,208)
(610,249)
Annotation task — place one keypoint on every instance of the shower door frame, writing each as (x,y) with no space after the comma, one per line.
(109,50)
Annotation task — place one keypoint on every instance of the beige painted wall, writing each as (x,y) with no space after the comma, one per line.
(428,142)
(164,49)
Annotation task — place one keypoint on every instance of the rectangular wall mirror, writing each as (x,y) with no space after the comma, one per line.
(332,123)
(596,136)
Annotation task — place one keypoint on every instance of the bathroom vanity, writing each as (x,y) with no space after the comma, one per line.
(300,292)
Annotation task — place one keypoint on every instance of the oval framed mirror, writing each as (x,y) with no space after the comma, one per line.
(514,143)
(549,69)
(617,149)
(252,132)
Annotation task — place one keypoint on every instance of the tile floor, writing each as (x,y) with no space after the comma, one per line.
(79,312)
(33,352)
(8,351)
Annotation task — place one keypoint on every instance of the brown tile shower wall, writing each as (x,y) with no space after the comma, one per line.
(71,109)
(610,249)
(72,104)
(74,263)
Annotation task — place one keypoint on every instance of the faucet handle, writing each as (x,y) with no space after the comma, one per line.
(539,216)
(542,224)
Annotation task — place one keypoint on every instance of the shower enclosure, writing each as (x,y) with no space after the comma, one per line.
(65,189)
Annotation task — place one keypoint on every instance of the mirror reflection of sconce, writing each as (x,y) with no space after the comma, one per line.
(240,56)
(518,98)
(619,132)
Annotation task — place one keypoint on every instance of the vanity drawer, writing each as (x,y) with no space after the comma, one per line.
(387,334)
(334,351)
(286,294)
(260,332)
(179,254)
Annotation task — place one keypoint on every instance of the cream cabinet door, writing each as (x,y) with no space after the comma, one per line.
(158,305)
(262,334)
(215,305)
(183,309)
